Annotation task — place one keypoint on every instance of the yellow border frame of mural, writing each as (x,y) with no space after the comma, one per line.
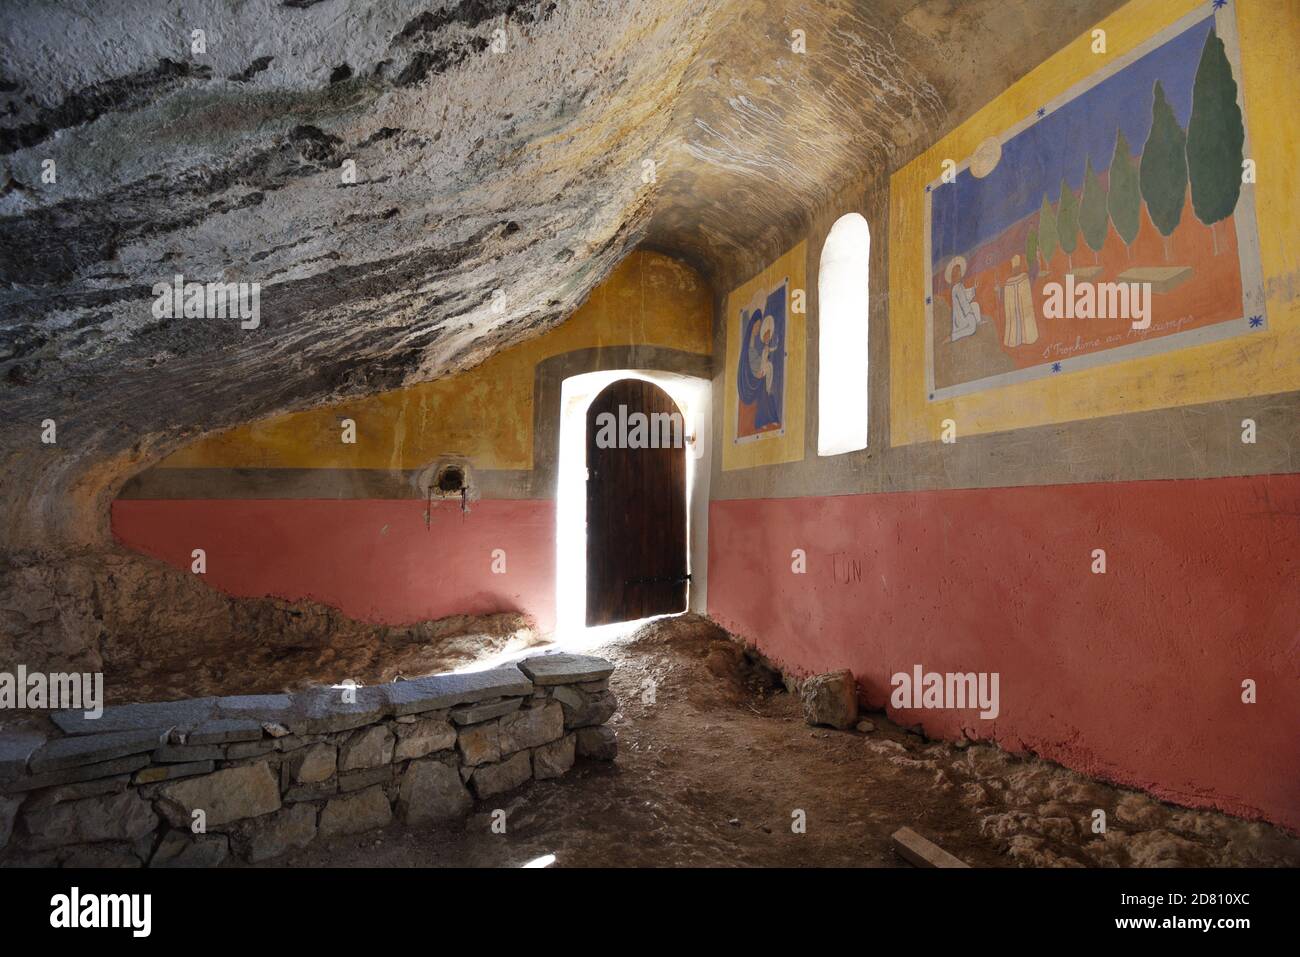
(485,413)
(1264,363)
(787,445)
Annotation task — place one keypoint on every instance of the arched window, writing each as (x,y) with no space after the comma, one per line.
(842,338)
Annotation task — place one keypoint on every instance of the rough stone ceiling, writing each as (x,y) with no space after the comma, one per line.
(494,186)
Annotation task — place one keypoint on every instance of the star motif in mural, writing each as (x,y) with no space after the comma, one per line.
(1042,111)
(928,187)
(1256,321)
(927,300)
(1220,4)
(1056,367)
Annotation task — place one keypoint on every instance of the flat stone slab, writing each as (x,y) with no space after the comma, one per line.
(476,713)
(170,772)
(223,730)
(356,780)
(181,753)
(82,789)
(249,749)
(162,716)
(87,772)
(16,747)
(425,737)
(565,669)
(915,849)
(443,691)
(65,753)
(323,710)
(263,708)
(1163,279)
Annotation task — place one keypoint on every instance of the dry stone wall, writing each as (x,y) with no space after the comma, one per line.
(250,778)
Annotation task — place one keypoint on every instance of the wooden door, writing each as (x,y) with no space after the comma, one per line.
(636,504)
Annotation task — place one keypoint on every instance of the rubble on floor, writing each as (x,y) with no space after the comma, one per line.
(158,633)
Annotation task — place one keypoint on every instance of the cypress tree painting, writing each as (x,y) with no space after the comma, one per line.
(1067,221)
(1047,233)
(1163,170)
(1124,199)
(1215,136)
(1094,220)
(1152,143)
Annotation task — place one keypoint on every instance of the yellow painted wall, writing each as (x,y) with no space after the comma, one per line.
(1260,364)
(485,414)
(787,445)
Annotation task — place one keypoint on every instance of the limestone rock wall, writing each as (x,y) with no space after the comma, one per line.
(203,781)
(499,150)
(158,633)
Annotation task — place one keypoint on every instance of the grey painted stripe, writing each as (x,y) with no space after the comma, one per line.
(1199,441)
(1192,442)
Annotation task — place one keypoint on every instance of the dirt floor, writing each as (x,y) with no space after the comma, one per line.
(715,761)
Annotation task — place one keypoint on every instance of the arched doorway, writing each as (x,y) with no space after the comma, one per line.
(636,504)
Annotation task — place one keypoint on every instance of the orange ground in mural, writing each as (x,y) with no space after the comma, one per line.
(1210,294)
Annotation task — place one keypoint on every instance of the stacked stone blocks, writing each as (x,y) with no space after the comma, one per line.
(265,775)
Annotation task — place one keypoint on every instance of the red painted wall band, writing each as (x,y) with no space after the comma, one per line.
(373,560)
(1133,675)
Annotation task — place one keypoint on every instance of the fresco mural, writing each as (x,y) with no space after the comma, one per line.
(762,398)
(1110,224)
(760,372)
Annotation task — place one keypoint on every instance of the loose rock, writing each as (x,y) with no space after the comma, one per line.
(830,699)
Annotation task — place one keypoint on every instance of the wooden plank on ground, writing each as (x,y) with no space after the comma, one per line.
(917,850)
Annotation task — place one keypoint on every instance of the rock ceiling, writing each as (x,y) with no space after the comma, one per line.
(500,151)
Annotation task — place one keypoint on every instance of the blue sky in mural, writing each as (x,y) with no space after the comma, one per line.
(971,211)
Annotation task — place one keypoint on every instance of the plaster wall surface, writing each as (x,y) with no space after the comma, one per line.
(975,556)
(1134,675)
(285,509)
(387,562)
